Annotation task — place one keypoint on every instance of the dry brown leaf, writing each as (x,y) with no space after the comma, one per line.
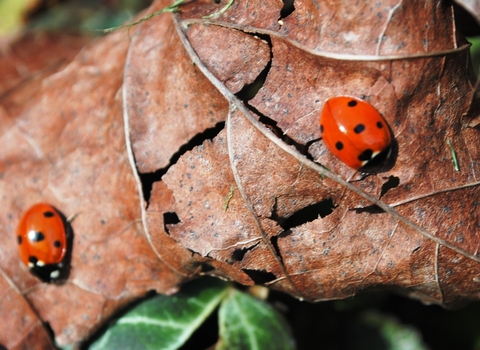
(35,56)
(64,143)
(290,223)
(237,187)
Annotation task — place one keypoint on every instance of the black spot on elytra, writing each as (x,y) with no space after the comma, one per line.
(365,155)
(33,259)
(339,145)
(379,125)
(49,214)
(352,103)
(19,238)
(57,244)
(37,237)
(359,128)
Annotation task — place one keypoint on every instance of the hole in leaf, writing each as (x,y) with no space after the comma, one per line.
(49,330)
(272,125)
(169,219)
(250,90)
(274,241)
(392,182)
(260,276)
(307,214)
(206,267)
(238,255)
(287,9)
(148,179)
(372,209)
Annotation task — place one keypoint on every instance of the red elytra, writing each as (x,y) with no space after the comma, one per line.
(42,239)
(355,132)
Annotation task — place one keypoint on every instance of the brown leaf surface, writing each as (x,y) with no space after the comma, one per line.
(252,205)
(237,187)
(64,143)
(35,56)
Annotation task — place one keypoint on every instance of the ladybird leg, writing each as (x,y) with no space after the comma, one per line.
(358,176)
(72,217)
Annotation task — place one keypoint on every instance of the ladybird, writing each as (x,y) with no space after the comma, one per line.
(43,241)
(356,133)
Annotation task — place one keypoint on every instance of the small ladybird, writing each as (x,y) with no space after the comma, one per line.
(356,133)
(42,241)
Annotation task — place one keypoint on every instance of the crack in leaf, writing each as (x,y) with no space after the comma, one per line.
(387,23)
(238,181)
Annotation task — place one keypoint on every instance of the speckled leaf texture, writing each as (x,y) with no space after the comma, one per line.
(190,145)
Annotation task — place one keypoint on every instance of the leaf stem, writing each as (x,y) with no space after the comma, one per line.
(171,8)
(230,196)
(218,13)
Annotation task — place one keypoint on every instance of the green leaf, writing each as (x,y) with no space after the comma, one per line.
(249,323)
(11,14)
(378,328)
(164,322)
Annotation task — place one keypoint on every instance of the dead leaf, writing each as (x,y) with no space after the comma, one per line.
(290,223)
(210,181)
(64,144)
(34,57)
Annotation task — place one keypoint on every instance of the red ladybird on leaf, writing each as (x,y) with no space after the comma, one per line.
(356,133)
(43,241)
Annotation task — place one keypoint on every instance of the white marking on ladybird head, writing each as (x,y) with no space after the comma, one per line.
(55,274)
(40,263)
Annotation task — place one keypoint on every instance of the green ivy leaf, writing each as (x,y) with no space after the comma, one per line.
(376,328)
(249,323)
(164,322)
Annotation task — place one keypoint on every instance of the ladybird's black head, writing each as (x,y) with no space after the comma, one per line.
(52,273)
(381,162)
